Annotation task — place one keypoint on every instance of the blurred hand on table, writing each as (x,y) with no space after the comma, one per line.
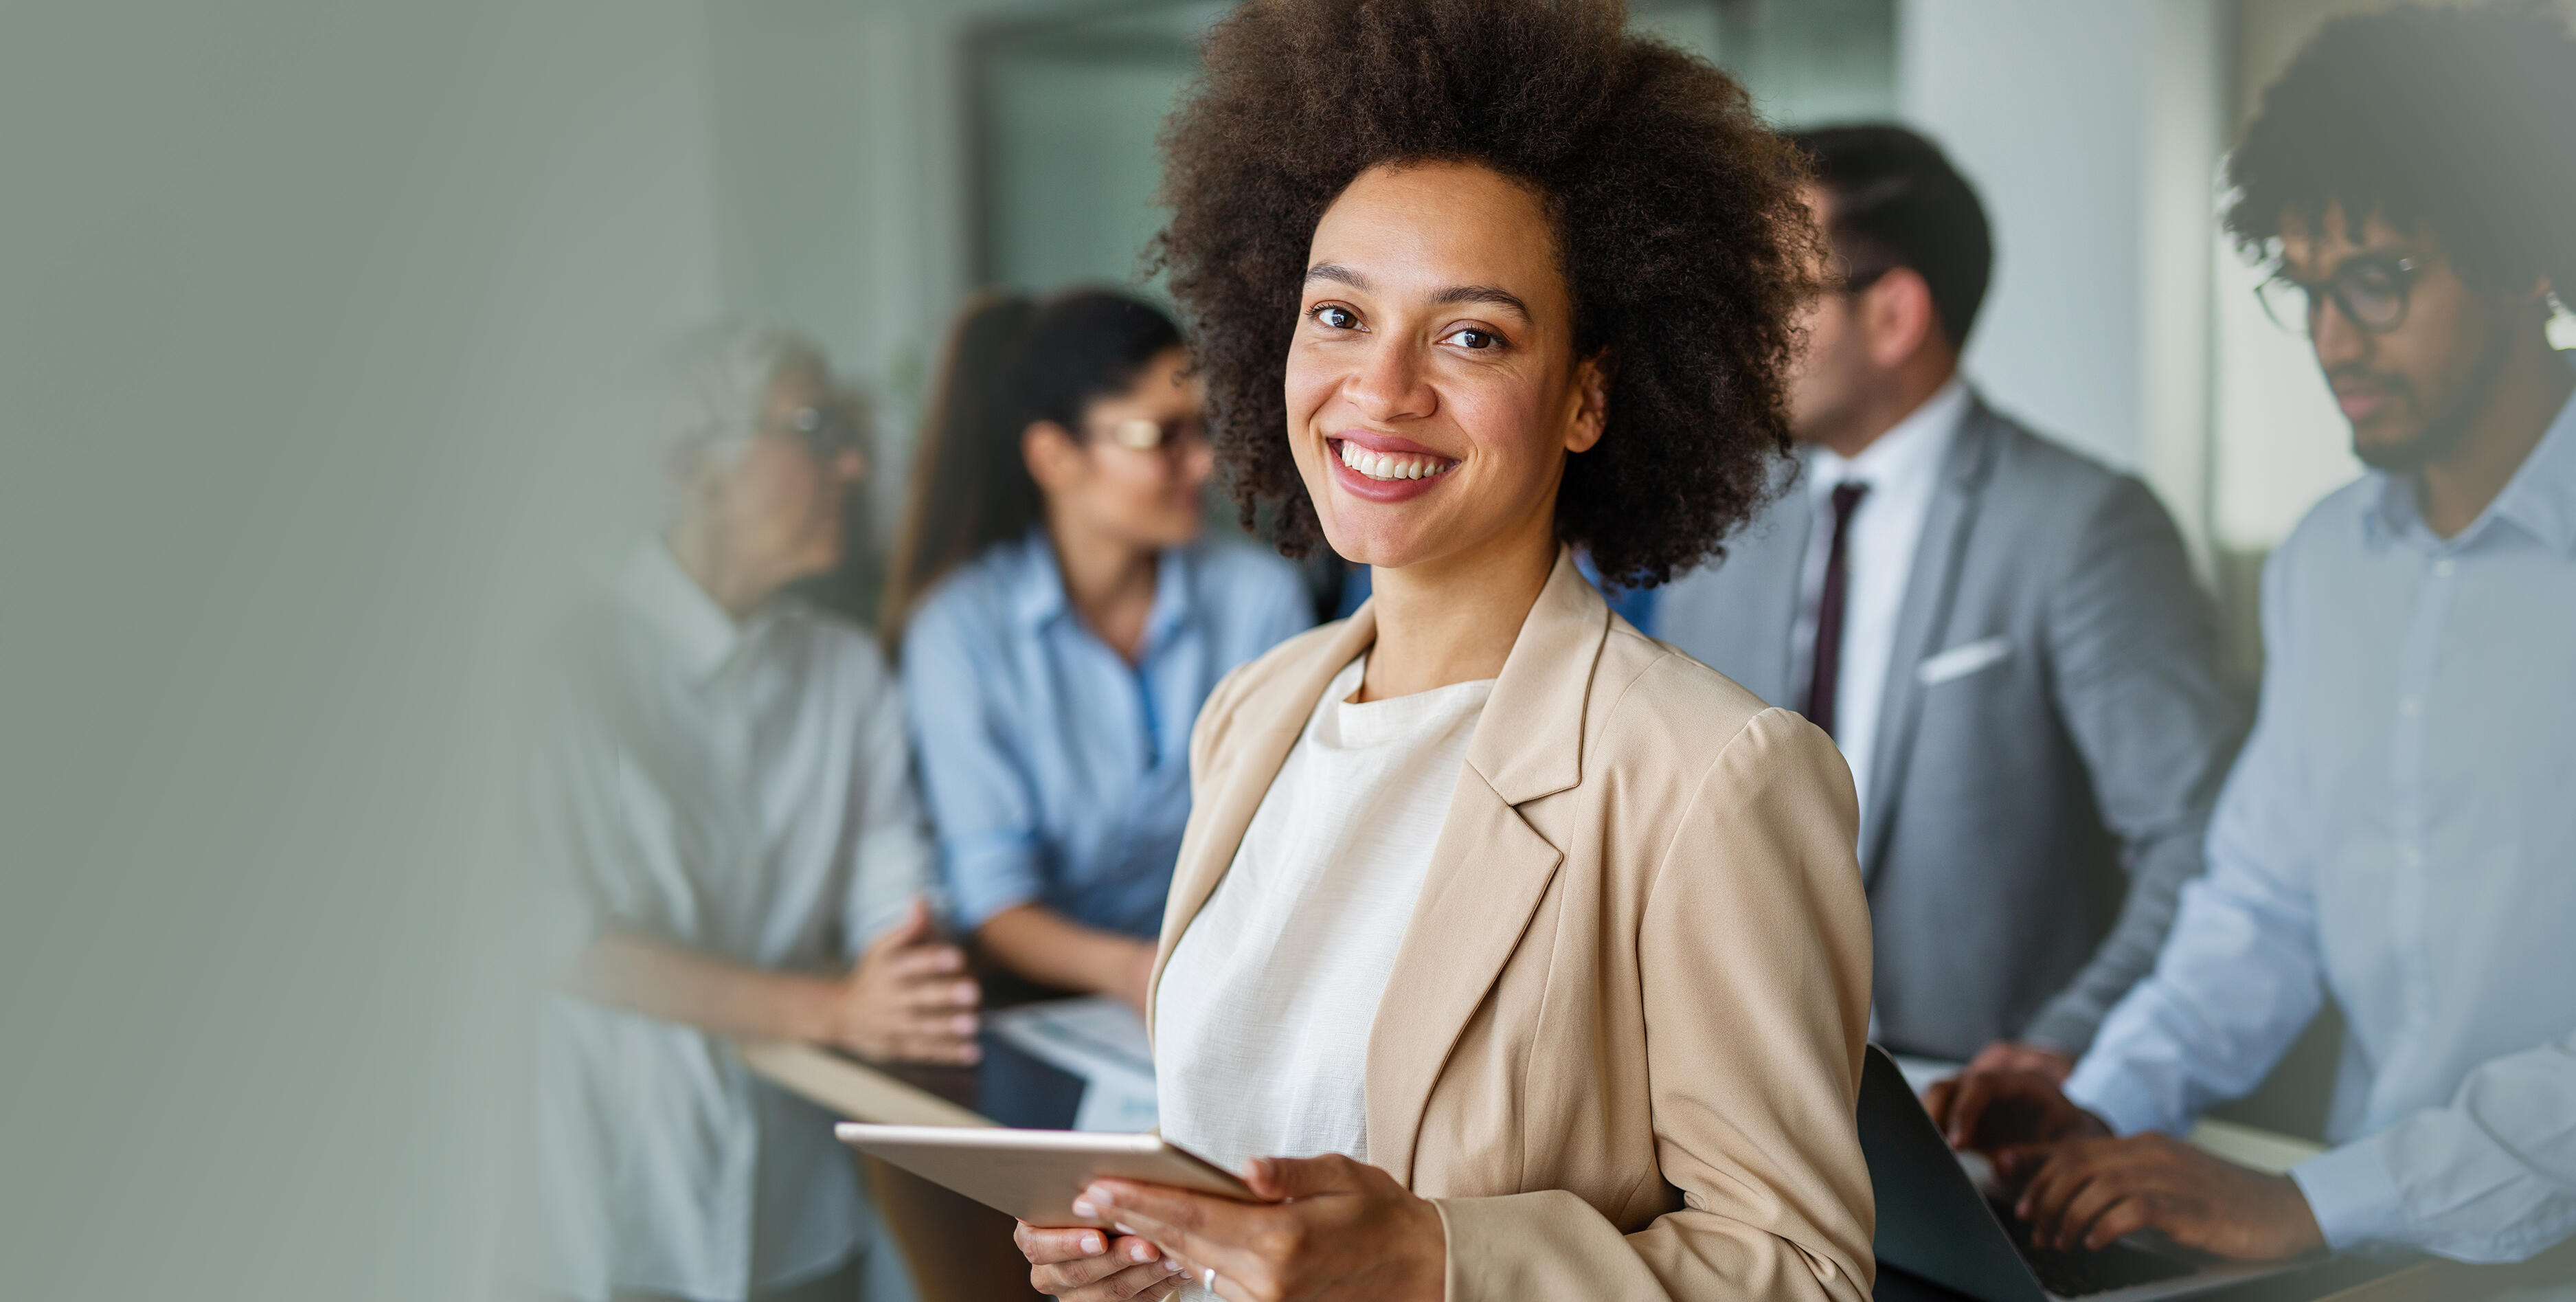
(909,999)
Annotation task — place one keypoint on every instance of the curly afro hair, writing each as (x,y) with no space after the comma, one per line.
(2462,119)
(1677,222)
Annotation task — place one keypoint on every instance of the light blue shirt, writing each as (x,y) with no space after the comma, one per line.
(1056,772)
(2400,833)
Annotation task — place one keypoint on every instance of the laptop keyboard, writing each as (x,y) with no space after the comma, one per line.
(2079,1272)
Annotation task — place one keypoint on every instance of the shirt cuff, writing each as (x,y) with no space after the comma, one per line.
(2114,1094)
(988,874)
(2352,1195)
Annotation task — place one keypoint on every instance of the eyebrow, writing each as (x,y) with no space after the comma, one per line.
(1493,295)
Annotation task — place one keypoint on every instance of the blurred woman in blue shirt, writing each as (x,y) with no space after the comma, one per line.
(1061,619)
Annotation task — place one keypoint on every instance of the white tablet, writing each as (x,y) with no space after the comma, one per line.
(1036,1174)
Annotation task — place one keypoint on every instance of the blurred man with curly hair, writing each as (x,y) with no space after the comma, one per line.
(2398,835)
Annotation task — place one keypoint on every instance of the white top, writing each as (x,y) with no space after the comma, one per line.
(1902,468)
(1263,1015)
(744,790)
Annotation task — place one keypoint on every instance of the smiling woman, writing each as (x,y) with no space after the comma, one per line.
(1512,954)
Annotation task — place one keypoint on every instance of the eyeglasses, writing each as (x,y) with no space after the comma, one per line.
(2371,291)
(825,431)
(1144,434)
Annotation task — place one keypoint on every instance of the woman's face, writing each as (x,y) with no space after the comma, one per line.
(1433,392)
(1137,470)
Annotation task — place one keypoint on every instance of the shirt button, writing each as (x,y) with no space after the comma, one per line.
(2410,707)
(2443,567)
(2411,857)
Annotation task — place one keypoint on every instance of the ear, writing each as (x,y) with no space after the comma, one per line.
(1591,401)
(1897,319)
(1054,457)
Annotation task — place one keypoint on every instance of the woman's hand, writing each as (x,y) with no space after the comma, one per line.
(1339,1230)
(1091,1266)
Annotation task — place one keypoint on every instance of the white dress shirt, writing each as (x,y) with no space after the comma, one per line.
(2400,834)
(1263,1013)
(1903,469)
(744,790)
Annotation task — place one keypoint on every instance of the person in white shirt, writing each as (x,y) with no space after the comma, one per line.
(2003,636)
(724,812)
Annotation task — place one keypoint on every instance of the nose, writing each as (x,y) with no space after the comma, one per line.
(1198,461)
(2337,340)
(1389,383)
(849,466)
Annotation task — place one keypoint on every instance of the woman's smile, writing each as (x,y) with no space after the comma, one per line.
(1384,468)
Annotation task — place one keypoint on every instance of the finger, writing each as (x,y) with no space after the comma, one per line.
(1281,1178)
(1200,1227)
(1968,1101)
(943,1025)
(2125,1218)
(1937,1100)
(954,1050)
(2019,1162)
(2044,1197)
(937,995)
(1133,1281)
(911,931)
(1047,1246)
(1098,1273)
(2108,1188)
(917,960)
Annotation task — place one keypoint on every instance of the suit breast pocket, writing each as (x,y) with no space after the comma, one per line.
(1960,661)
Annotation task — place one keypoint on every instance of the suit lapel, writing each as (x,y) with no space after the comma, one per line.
(1922,617)
(1261,746)
(1490,868)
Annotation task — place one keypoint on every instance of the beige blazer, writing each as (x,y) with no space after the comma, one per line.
(1620,1048)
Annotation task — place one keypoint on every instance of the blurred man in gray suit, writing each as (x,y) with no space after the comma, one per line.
(2003,635)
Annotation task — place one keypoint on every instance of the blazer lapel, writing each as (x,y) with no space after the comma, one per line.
(1262,745)
(1490,868)
(1920,619)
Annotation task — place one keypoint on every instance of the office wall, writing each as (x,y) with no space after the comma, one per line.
(2093,132)
(318,376)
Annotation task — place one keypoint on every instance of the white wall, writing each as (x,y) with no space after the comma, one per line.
(317,377)
(2092,130)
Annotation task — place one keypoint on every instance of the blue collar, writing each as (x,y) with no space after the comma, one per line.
(1038,597)
(2540,499)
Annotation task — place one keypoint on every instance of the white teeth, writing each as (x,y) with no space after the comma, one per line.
(1384,466)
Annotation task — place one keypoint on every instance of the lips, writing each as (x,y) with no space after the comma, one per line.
(1385,468)
(2363,396)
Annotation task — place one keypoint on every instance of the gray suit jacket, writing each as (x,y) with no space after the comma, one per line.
(2053,735)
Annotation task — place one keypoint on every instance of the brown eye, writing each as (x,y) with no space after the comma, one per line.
(1333,316)
(1473,339)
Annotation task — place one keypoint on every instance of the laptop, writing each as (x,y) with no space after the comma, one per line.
(1934,1221)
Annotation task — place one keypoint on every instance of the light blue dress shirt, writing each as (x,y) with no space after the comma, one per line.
(2400,833)
(1056,772)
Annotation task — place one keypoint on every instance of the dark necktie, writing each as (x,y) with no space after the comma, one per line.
(1826,672)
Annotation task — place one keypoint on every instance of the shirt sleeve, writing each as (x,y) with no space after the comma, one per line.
(2490,1177)
(2239,976)
(980,802)
(2134,646)
(894,861)
(572,814)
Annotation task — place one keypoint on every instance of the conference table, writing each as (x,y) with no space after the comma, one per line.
(960,1251)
